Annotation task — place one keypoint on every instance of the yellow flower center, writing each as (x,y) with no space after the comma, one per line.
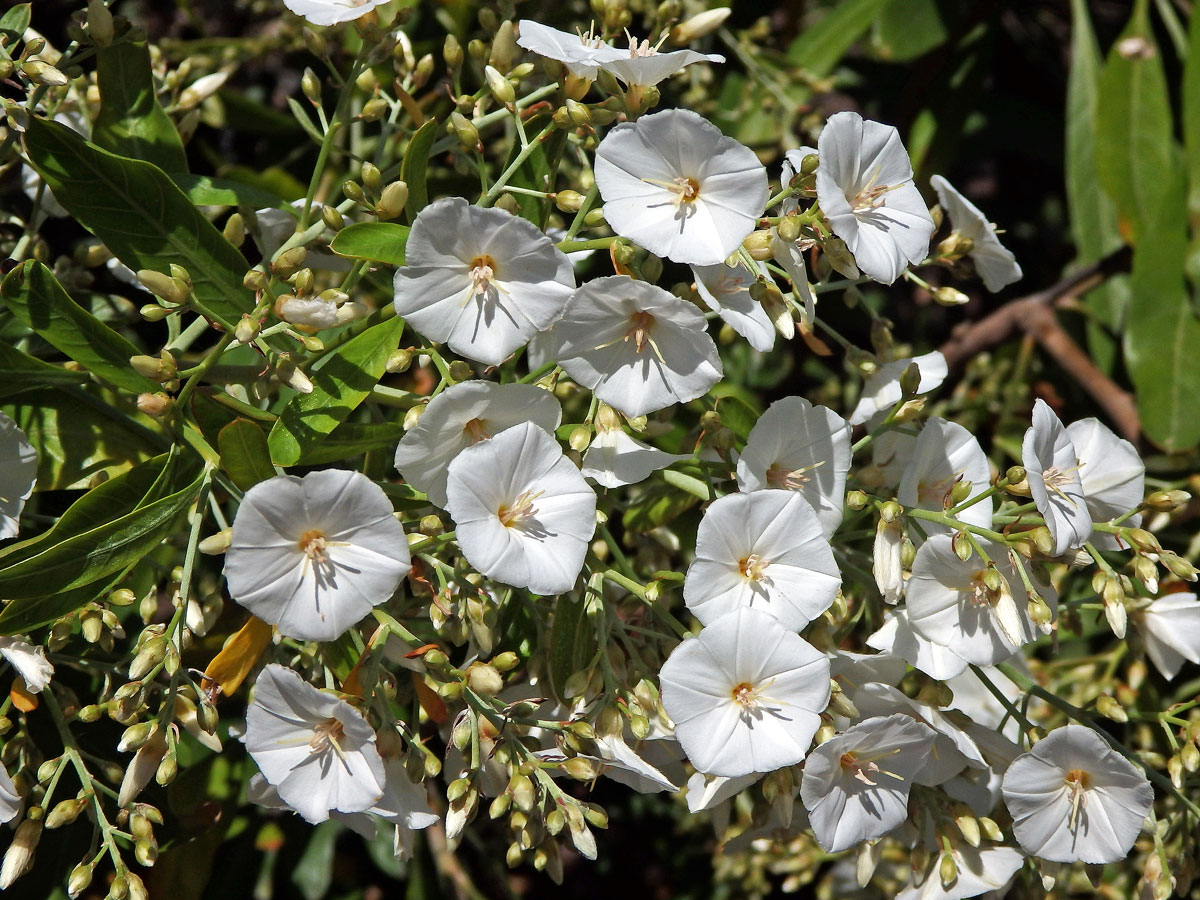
(753,567)
(870,196)
(476,430)
(1056,479)
(640,324)
(520,510)
(326,735)
(313,544)
(1077,782)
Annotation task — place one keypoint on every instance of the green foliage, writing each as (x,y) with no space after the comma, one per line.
(381,242)
(131,122)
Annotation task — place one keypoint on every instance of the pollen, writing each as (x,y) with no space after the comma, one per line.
(870,196)
(476,430)
(328,734)
(482,274)
(753,567)
(520,510)
(640,325)
(745,695)
(313,544)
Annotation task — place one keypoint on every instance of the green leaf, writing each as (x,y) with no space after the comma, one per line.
(343,380)
(313,874)
(20,372)
(1163,333)
(381,242)
(1134,132)
(906,29)
(244,453)
(83,559)
(79,437)
(33,295)
(14,22)
(572,640)
(1092,214)
(352,439)
(131,122)
(204,190)
(1191,116)
(819,47)
(661,504)
(303,119)
(141,216)
(413,166)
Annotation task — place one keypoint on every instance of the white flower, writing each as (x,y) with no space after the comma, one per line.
(790,255)
(312,555)
(1052,467)
(462,415)
(1170,628)
(614,458)
(1072,797)
(674,184)
(638,347)
(898,636)
(276,226)
(18,473)
(1111,473)
(945,454)
(524,514)
(763,550)
(886,563)
(29,661)
(482,280)
(316,313)
(316,750)
(793,162)
(726,291)
(800,447)
(745,694)
(950,603)
(882,390)
(979,870)
(865,188)
(856,784)
(10,800)
(332,12)
(584,55)
(995,264)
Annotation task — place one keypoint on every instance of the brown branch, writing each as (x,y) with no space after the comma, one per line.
(1034,316)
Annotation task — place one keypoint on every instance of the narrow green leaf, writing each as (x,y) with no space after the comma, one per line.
(1134,132)
(1092,214)
(204,190)
(33,295)
(14,22)
(413,166)
(244,453)
(906,29)
(313,874)
(80,437)
(819,47)
(20,372)
(344,379)
(131,122)
(572,640)
(1163,333)
(352,439)
(306,123)
(381,242)
(1191,117)
(87,558)
(141,216)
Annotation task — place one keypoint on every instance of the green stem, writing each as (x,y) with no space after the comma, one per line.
(519,160)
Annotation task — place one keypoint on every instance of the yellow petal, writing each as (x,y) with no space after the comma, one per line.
(230,667)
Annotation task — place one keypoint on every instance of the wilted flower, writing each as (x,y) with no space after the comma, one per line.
(524,514)
(1053,468)
(312,555)
(29,661)
(675,185)
(856,784)
(482,280)
(726,291)
(865,188)
(18,472)
(745,694)
(1072,797)
(763,550)
(796,446)
(995,264)
(638,347)
(10,800)
(462,415)
(317,751)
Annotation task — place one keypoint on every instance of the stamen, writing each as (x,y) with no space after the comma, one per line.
(328,735)
(685,189)
(1077,782)
(753,567)
(871,195)
(476,430)
(1055,478)
(313,545)
(640,324)
(520,511)
(745,695)
(789,479)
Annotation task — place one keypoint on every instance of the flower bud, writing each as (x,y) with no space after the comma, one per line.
(910,380)
(152,653)
(1178,566)
(235,229)
(788,229)
(81,875)
(466,132)
(500,87)
(452,52)
(1166,501)
(581,769)
(310,85)
(700,25)
(164,286)
(289,262)
(1111,709)
(41,72)
(154,405)
(66,812)
(947,870)
(19,857)
(484,680)
(758,245)
(392,201)
(1041,539)
(100,23)
(948,296)
(890,511)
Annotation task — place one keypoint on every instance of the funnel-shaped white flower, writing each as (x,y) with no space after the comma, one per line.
(1053,469)
(482,280)
(898,636)
(462,415)
(1170,628)
(865,187)
(18,472)
(995,263)
(316,750)
(856,784)
(332,12)
(614,458)
(312,555)
(882,390)
(745,694)
(799,447)
(674,184)
(946,454)
(1072,797)
(524,514)
(638,347)
(979,870)
(30,662)
(726,291)
(763,550)
(1111,473)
